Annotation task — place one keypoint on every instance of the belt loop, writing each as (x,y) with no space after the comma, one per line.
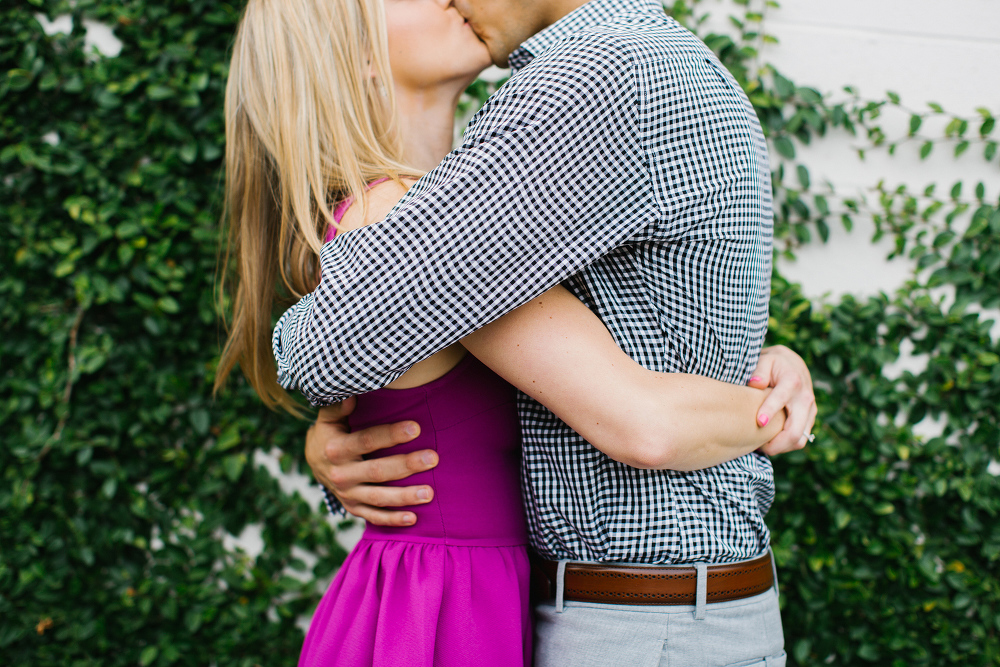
(774,571)
(701,596)
(560,585)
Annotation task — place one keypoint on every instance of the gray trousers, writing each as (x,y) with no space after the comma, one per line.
(738,633)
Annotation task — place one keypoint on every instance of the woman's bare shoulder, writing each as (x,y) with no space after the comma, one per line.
(380,200)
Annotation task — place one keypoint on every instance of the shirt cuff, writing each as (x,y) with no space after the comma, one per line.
(333,503)
(285,338)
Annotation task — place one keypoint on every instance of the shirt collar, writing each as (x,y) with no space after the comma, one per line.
(593,13)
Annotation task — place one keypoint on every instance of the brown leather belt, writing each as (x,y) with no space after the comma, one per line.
(615,583)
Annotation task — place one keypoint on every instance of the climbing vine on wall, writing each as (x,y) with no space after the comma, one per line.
(123,480)
(888,541)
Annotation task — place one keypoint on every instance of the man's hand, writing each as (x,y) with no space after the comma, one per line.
(784,370)
(335,456)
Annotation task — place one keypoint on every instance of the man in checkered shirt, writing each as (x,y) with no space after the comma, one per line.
(624,161)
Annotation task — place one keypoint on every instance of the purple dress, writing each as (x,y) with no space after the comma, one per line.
(451,590)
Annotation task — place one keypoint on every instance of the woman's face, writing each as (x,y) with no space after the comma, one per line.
(431,44)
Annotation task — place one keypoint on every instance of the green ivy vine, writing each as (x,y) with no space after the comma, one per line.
(122,479)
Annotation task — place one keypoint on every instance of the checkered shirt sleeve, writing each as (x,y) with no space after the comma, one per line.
(533,195)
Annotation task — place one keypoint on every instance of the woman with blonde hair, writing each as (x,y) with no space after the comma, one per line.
(333,107)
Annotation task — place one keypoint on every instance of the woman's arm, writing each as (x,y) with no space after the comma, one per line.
(558,352)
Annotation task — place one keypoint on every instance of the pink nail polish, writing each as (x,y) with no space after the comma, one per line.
(756,379)
(763,420)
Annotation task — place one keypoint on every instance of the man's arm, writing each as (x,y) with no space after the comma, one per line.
(354,484)
(550,178)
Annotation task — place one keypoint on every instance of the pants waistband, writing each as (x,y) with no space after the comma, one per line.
(620,583)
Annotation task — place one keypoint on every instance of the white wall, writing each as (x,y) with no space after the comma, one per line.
(924,50)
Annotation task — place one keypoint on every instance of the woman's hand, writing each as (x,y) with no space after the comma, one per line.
(336,458)
(784,370)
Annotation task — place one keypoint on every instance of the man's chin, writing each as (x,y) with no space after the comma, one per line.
(499,55)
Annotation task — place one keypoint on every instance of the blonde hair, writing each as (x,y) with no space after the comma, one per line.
(310,119)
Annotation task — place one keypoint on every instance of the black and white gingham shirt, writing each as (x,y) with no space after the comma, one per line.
(622,159)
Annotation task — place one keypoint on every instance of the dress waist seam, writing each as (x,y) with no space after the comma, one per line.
(487,544)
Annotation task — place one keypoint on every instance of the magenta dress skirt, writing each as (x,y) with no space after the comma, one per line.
(451,590)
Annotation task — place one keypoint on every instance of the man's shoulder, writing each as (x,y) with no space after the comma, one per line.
(626,42)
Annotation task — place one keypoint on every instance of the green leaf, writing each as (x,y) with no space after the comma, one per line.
(884,508)
(803,174)
(168,304)
(785,147)
(19,79)
(229,438)
(233,466)
(802,651)
(148,655)
(158,92)
(915,123)
(200,421)
(783,87)
(926,149)
(824,229)
(193,620)
(844,487)
(978,225)
(188,153)
(199,81)
(822,205)
(988,359)
(810,96)
(868,652)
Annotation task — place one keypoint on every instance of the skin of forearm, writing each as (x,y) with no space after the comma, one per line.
(706,422)
(558,352)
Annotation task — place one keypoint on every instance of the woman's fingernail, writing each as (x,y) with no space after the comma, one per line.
(427,458)
(756,379)
(763,419)
(412,429)
(409,519)
(424,494)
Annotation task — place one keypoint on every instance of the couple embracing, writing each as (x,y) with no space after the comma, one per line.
(543,337)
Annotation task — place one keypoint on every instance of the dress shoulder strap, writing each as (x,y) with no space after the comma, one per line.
(341,209)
